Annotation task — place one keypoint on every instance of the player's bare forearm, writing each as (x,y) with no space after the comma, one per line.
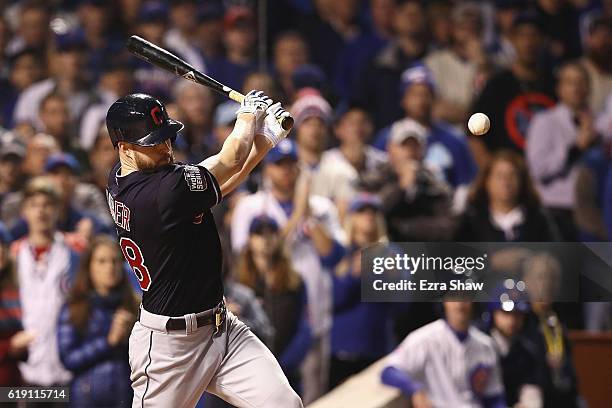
(235,150)
(261,146)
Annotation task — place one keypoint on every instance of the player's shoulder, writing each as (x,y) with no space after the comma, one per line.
(481,338)
(426,333)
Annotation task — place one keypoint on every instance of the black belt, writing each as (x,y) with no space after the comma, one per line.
(214,316)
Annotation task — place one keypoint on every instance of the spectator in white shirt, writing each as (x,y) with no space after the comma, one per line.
(67,79)
(45,266)
(340,167)
(556,140)
(310,228)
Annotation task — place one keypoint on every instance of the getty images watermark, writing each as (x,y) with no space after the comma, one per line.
(484,272)
(404,263)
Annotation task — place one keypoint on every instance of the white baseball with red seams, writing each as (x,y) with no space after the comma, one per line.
(479,124)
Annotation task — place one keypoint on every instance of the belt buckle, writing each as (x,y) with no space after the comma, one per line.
(217,321)
(219,310)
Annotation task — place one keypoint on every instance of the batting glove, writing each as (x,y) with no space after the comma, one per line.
(254,102)
(272,129)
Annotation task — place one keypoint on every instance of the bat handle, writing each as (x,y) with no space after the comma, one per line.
(286,122)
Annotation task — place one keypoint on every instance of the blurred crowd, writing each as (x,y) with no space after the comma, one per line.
(380,91)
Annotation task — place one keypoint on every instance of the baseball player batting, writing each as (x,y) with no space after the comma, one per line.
(185,342)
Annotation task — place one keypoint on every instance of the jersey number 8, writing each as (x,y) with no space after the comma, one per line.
(133,256)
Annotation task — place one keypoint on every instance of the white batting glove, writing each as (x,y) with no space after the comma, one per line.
(272,129)
(254,102)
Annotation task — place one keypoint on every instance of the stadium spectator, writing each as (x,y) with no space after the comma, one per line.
(12,153)
(94,327)
(196,106)
(209,31)
(590,195)
(102,158)
(25,68)
(359,50)
(239,37)
(82,209)
(328,30)
(559,20)
(504,206)
(556,140)
(340,167)
(512,96)
(242,302)
(264,81)
(45,268)
(408,46)
(101,42)
(223,120)
(38,150)
(152,25)
(446,151)
(14,341)
(448,348)
(361,331)
(79,200)
(460,70)
(290,53)
(314,236)
(313,116)
(502,51)
(32,27)
(116,79)
(542,276)
(55,121)
(517,354)
(181,35)
(66,66)
(439,17)
(416,203)
(268,271)
(598,62)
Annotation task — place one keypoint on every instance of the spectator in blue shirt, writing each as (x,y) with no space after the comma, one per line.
(408,46)
(94,327)
(239,38)
(446,151)
(26,67)
(361,332)
(102,43)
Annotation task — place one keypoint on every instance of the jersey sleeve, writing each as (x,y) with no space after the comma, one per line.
(187,191)
(410,357)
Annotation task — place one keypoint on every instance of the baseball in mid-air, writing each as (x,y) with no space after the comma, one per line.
(479,124)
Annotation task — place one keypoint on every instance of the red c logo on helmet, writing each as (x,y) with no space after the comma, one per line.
(156,115)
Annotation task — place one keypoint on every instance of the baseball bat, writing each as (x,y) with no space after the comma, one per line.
(164,59)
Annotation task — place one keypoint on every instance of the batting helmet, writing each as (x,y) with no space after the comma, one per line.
(140,119)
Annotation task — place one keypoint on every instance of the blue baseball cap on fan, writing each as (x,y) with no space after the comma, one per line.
(263,223)
(365,200)
(417,74)
(285,149)
(65,160)
(152,12)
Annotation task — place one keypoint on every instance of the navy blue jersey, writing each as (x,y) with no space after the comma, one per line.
(168,235)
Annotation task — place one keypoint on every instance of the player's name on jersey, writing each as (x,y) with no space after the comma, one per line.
(427,285)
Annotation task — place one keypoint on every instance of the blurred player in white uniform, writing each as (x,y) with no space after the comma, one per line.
(447,363)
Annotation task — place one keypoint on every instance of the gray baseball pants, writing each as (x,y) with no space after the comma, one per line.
(173,369)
